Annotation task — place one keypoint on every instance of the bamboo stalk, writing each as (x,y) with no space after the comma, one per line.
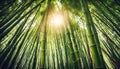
(44,44)
(92,38)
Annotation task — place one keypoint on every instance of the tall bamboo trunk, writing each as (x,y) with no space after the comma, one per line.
(42,57)
(44,44)
(93,39)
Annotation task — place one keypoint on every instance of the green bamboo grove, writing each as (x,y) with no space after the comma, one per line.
(59,34)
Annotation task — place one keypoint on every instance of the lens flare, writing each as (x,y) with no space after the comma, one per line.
(57,20)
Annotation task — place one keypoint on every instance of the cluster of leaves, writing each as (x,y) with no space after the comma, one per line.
(26,39)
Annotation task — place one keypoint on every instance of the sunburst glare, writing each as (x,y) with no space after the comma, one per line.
(57,19)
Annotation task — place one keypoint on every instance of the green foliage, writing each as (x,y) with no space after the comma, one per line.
(89,38)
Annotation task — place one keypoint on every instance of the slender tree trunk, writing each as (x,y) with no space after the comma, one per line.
(43,47)
(93,39)
(44,44)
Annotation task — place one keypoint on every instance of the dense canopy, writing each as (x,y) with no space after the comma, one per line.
(59,34)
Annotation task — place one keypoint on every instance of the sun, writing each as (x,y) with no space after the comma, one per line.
(57,22)
(57,19)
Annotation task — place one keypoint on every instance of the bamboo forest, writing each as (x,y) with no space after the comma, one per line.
(59,34)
